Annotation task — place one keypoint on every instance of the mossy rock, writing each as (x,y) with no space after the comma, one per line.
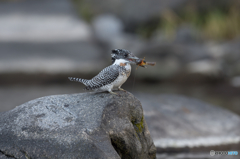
(83,126)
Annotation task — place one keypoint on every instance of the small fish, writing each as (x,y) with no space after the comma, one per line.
(143,63)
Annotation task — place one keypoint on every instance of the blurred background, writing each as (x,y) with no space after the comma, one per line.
(196,45)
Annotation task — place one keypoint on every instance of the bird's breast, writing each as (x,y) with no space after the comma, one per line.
(127,70)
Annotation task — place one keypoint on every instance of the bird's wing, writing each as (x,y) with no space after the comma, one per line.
(106,76)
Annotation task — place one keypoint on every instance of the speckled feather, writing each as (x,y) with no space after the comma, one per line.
(105,77)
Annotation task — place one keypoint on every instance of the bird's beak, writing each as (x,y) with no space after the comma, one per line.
(132,59)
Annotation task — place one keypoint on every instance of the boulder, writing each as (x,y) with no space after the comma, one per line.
(83,126)
(178,122)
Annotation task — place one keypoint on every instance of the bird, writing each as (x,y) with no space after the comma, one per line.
(113,76)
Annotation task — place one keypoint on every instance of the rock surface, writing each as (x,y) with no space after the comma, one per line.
(178,122)
(85,126)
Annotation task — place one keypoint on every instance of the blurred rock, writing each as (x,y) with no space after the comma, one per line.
(235,81)
(46,37)
(164,69)
(132,12)
(207,67)
(171,58)
(187,34)
(231,57)
(109,31)
(39,28)
(86,126)
(41,21)
(37,7)
(177,122)
(107,27)
(53,58)
(128,41)
(205,58)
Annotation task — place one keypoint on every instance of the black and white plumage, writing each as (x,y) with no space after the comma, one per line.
(123,54)
(113,76)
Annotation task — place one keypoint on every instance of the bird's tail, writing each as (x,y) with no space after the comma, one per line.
(75,79)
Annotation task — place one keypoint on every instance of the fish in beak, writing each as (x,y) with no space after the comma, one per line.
(127,55)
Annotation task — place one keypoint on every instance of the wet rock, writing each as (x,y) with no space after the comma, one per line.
(85,126)
(178,122)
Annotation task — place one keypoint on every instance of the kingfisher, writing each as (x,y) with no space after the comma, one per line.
(113,76)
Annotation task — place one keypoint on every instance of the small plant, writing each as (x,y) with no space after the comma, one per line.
(215,24)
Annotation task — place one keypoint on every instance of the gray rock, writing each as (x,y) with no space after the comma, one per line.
(235,81)
(109,30)
(41,21)
(175,58)
(177,122)
(40,7)
(187,34)
(231,57)
(46,37)
(85,126)
(107,27)
(54,58)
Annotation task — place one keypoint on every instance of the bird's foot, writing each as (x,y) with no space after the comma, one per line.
(114,93)
(120,89)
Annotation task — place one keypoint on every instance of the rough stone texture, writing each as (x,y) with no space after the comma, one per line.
(86,126)
(178,122)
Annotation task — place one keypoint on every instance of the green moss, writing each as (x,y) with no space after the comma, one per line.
(223,26)
(215,23)
(139,126)
(84,9)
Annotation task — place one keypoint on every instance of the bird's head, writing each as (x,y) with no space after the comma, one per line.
(123,54)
